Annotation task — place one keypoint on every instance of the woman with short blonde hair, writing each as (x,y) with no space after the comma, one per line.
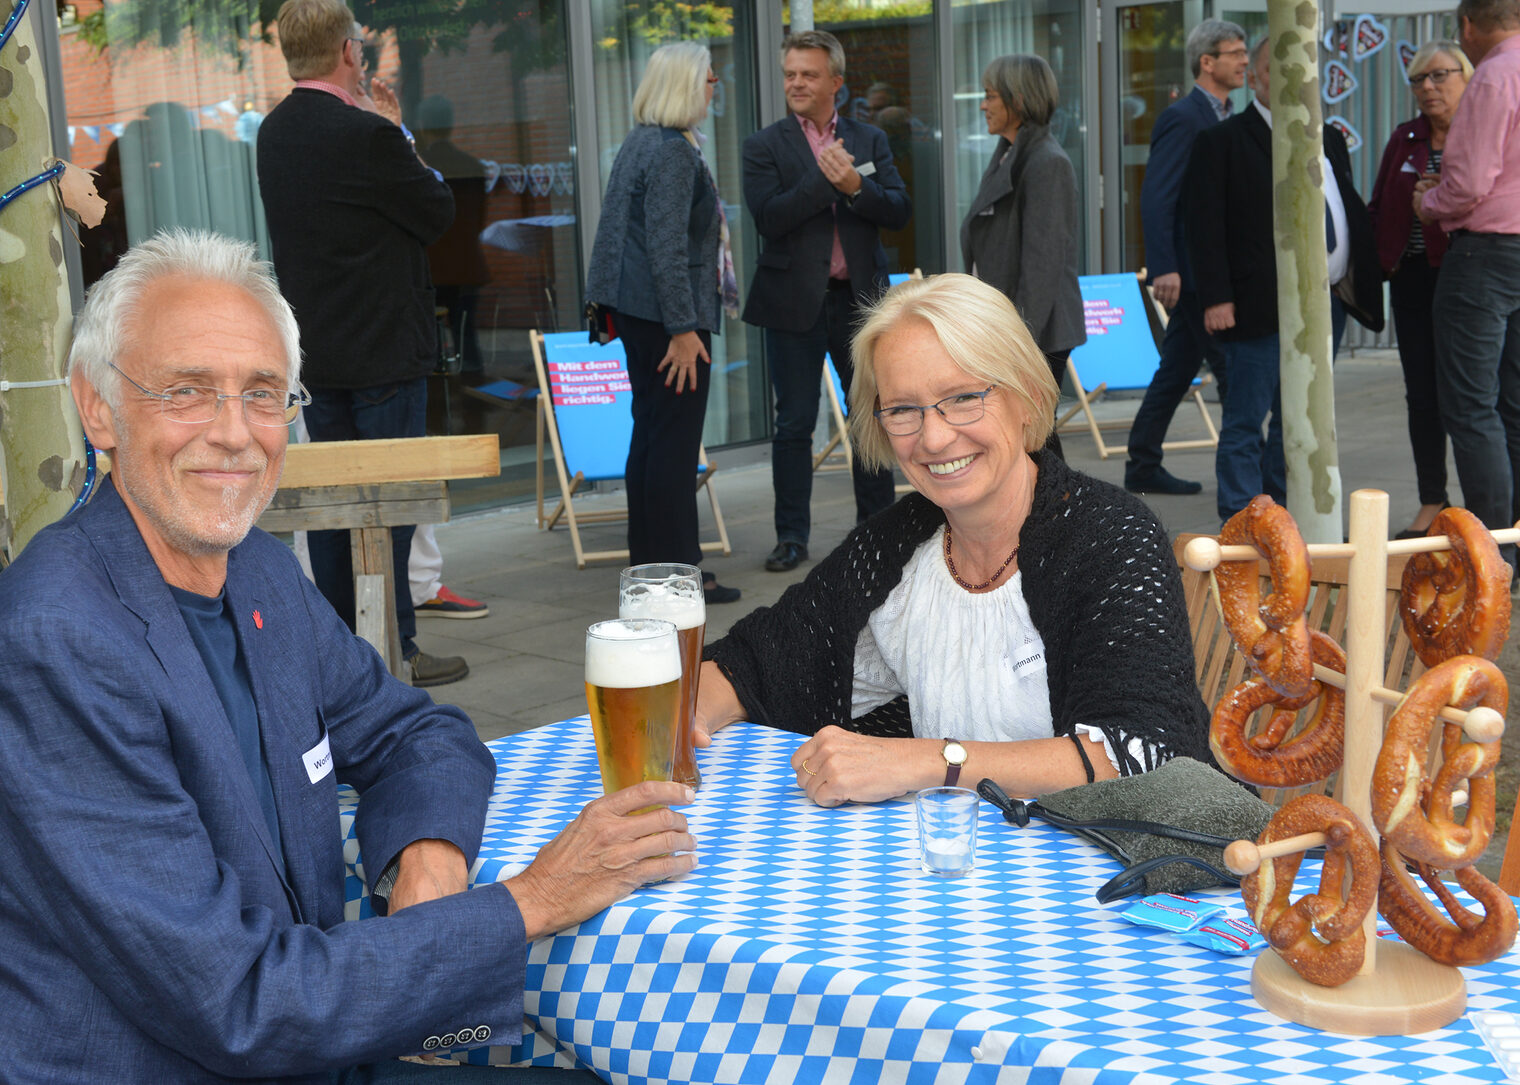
(659,267)
(980,330)
(1012,620)
(674,90)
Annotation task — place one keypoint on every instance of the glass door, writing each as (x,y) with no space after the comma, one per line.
(1144,69)
(1152,74)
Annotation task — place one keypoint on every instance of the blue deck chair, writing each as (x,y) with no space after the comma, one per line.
(1119,355)
(837,454)
(585,408)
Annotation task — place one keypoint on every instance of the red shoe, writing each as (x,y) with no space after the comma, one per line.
(448,605)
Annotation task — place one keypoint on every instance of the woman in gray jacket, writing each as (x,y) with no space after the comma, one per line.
(1022,232)
(655,264)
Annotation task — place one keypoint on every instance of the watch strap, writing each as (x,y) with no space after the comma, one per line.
(952,768)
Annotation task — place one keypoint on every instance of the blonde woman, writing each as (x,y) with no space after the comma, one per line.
(1014,619)
(655,264)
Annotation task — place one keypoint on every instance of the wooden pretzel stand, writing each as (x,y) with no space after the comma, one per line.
(1399,991)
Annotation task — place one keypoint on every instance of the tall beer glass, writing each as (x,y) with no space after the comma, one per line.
(633,685)
(674,593)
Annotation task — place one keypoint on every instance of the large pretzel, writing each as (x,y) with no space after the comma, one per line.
(1320,934)
(1456,602)
(1465,938)
(1414,811)
(1270,632)
(1263,759)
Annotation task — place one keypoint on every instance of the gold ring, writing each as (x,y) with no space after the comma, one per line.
(807,770)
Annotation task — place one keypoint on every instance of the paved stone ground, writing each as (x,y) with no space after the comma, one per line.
(526,657)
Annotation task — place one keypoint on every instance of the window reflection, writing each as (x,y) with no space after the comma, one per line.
(169,115)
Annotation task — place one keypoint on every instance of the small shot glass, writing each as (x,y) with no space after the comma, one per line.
(946,830)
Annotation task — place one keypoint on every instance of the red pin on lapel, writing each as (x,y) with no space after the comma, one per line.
(258,620)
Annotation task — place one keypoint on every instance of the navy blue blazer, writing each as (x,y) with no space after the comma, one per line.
(1171,145)
(795,209)
(148,934)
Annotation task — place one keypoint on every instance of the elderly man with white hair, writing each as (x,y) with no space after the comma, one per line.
(179,707)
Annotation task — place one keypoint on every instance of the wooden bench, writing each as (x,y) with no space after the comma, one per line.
(367,488)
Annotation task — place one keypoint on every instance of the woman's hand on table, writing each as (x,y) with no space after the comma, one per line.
(680,361)
(603,855)
(717,705)
(836,766)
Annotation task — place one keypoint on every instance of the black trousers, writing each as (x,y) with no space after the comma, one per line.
(1411,292)
(795,360)
(662,458)
(1185,346)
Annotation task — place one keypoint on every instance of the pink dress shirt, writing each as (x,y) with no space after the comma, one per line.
(1480,170)
(330,88)
(817,140)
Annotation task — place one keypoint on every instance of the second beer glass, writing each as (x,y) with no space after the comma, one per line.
(633,682)
(674,593)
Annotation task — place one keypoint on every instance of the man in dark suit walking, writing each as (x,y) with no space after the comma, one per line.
(1216,52)
(819,187)
(351,210)
(1227,206)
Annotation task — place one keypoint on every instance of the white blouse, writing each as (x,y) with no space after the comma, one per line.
(972,664)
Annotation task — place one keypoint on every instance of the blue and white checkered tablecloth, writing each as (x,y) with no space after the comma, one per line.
(808,947)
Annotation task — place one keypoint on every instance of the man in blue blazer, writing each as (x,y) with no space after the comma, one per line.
(177,707)
(819,186)
(1216,53)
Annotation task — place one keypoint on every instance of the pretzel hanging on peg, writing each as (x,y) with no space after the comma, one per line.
(1414,811)
(1456,602)
(1465,938)
(1271,633)
(1264,759)
(1319,935)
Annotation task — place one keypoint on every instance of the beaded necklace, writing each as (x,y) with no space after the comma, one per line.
(984,585)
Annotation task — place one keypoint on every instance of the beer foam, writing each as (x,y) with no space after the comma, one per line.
(681,610)
(621,658)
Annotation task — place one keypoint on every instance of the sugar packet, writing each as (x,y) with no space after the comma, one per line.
(1171,912)
(1226,935)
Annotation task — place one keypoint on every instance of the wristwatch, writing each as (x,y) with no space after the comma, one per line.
(955,757)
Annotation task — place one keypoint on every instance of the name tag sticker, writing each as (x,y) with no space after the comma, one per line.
(865,169)
(1026,658)
(318,760)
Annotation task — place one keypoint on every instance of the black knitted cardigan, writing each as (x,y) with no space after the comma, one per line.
(1103,591)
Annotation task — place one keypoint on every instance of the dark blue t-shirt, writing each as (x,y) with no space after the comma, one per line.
(215,637)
